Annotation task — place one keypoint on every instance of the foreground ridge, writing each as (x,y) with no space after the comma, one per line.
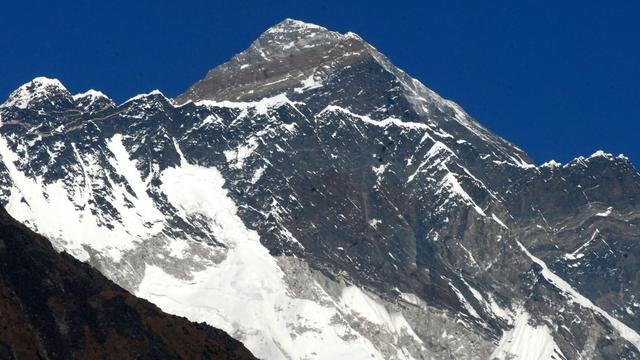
(55,307)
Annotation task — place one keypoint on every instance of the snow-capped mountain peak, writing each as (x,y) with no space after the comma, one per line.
(315,201)
(91,94)
(153,94)
(93,100)
(37,92)
(294,26)
(319,67)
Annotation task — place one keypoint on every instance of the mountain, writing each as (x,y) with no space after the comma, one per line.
(314,201)
(55,307)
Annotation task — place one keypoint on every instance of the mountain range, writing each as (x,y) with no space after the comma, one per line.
(316,202)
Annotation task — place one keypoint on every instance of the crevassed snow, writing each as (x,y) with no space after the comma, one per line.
(245,294)
(573,295)
(526,342)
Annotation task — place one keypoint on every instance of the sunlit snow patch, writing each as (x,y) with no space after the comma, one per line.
(527,342)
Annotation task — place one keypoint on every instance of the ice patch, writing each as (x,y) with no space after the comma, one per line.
(309,83)
(606,212)
(375,222)
(527,342)
(237,156)
(257,174)
(379,170)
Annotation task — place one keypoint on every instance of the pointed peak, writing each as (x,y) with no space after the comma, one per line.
(291,25)
(40,84)
(35,91)
(285,35)
(91,93)
(601,153)
(42,81)
(93,100)
(154,94)
(551,164)
(284,57)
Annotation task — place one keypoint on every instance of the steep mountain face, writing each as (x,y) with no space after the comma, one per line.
(55,307)
(315,201)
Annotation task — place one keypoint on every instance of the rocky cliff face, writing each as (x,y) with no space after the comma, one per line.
(315,201)
(55,307)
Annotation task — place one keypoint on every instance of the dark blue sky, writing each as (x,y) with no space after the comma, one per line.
(559,80)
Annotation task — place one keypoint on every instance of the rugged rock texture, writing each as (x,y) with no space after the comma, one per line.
(315,201)
(54,307)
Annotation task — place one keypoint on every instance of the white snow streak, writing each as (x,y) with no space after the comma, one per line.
(451,183)
(625,332)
